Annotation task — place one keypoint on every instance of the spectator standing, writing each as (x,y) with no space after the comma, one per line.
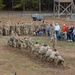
(64,30)
(74,34)
(51,30)
(71,33)
(57,29)
(68,33)
(48,29)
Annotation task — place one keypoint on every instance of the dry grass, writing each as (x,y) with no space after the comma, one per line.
(23,62)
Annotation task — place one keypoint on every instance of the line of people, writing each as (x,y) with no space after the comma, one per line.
(44,51)
(65,32)
(20,27)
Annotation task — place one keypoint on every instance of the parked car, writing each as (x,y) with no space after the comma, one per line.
(37,17)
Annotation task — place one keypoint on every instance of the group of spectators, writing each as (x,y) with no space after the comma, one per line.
(65,32)
(68,32)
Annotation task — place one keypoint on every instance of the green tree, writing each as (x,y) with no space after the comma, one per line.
(28,4)
(1,5)
(17,3)
(34,4)
(31,4)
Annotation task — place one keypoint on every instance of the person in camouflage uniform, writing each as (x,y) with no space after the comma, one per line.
(11,39)
(1,27)
(30,27)
(14,38)
(4,30)
(18,28)
(21,43)
(28,43)
(24,27)
(51,31)
(54,41)
(7,29)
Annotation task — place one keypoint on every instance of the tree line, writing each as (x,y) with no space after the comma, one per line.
(26,5)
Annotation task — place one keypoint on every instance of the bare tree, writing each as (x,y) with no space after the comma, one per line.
(39,6)
(23,1)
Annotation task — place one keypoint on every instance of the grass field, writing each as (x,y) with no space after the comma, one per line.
(24,63)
